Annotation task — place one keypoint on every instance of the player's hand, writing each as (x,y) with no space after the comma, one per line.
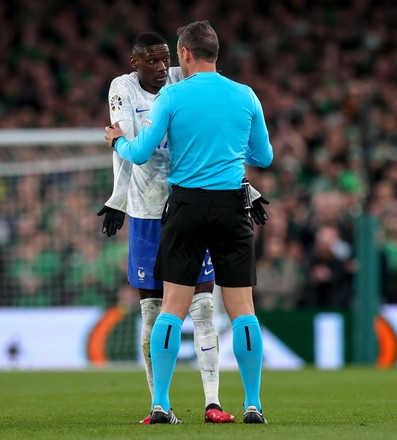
(258,213)
(114,219)
(112,132)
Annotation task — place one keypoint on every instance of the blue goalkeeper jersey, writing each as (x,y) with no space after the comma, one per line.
(213,124)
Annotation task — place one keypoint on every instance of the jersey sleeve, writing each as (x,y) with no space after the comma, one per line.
(121,174)
(260,151)
(120,100)
(120,110)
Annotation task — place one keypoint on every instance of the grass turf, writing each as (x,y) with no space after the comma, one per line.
(353,403)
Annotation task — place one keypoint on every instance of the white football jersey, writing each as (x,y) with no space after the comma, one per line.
(139,190)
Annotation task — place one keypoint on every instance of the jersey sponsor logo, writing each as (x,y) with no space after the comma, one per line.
(207,272)
(116,103)
(140,110)
(207,349)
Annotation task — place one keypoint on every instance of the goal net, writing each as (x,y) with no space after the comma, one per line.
(53,253)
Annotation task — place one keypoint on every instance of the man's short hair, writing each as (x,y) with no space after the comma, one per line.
(146,39)
(201,39)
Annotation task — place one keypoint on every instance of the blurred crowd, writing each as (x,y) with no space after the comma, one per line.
(326,74)
(51,245)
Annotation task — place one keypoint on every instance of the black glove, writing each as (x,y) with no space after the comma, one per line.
(114,220)
(258,213)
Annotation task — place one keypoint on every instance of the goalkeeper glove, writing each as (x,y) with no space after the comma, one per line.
(258,213)
(114,219)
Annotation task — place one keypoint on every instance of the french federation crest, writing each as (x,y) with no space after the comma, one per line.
(141,274)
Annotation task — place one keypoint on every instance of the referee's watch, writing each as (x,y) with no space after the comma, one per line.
(114,141)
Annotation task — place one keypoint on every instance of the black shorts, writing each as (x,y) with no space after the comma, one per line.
(197,219)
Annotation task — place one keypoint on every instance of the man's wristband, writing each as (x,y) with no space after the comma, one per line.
(114,141)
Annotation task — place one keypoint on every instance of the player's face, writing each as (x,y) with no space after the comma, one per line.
(152,66)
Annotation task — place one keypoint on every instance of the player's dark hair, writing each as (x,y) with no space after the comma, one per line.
(201,39)
(146,39)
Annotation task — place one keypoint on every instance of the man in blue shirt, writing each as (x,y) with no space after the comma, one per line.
(214,126)
(141,191)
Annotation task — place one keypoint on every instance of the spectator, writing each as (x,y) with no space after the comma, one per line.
(327,76)
(329,269)
(279,277)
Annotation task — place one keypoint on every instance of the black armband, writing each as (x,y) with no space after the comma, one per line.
(114,141)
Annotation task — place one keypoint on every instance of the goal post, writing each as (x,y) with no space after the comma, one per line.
(50,136)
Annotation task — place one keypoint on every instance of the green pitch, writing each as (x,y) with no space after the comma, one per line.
(354,403)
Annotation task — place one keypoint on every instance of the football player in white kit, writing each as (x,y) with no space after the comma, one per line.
(141,192)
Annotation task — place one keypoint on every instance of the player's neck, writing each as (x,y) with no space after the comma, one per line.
(201,66)
(148,88)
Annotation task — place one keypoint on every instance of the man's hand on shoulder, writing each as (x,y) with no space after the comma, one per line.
(114,219)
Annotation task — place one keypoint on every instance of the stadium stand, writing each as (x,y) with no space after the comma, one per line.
(326,75)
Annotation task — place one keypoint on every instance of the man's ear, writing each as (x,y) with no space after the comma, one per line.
(134,62)
(186,54)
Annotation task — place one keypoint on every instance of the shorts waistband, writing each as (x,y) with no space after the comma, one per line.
(208,197)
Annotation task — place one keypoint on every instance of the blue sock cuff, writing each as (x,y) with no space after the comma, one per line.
(170,319)
(245,320)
